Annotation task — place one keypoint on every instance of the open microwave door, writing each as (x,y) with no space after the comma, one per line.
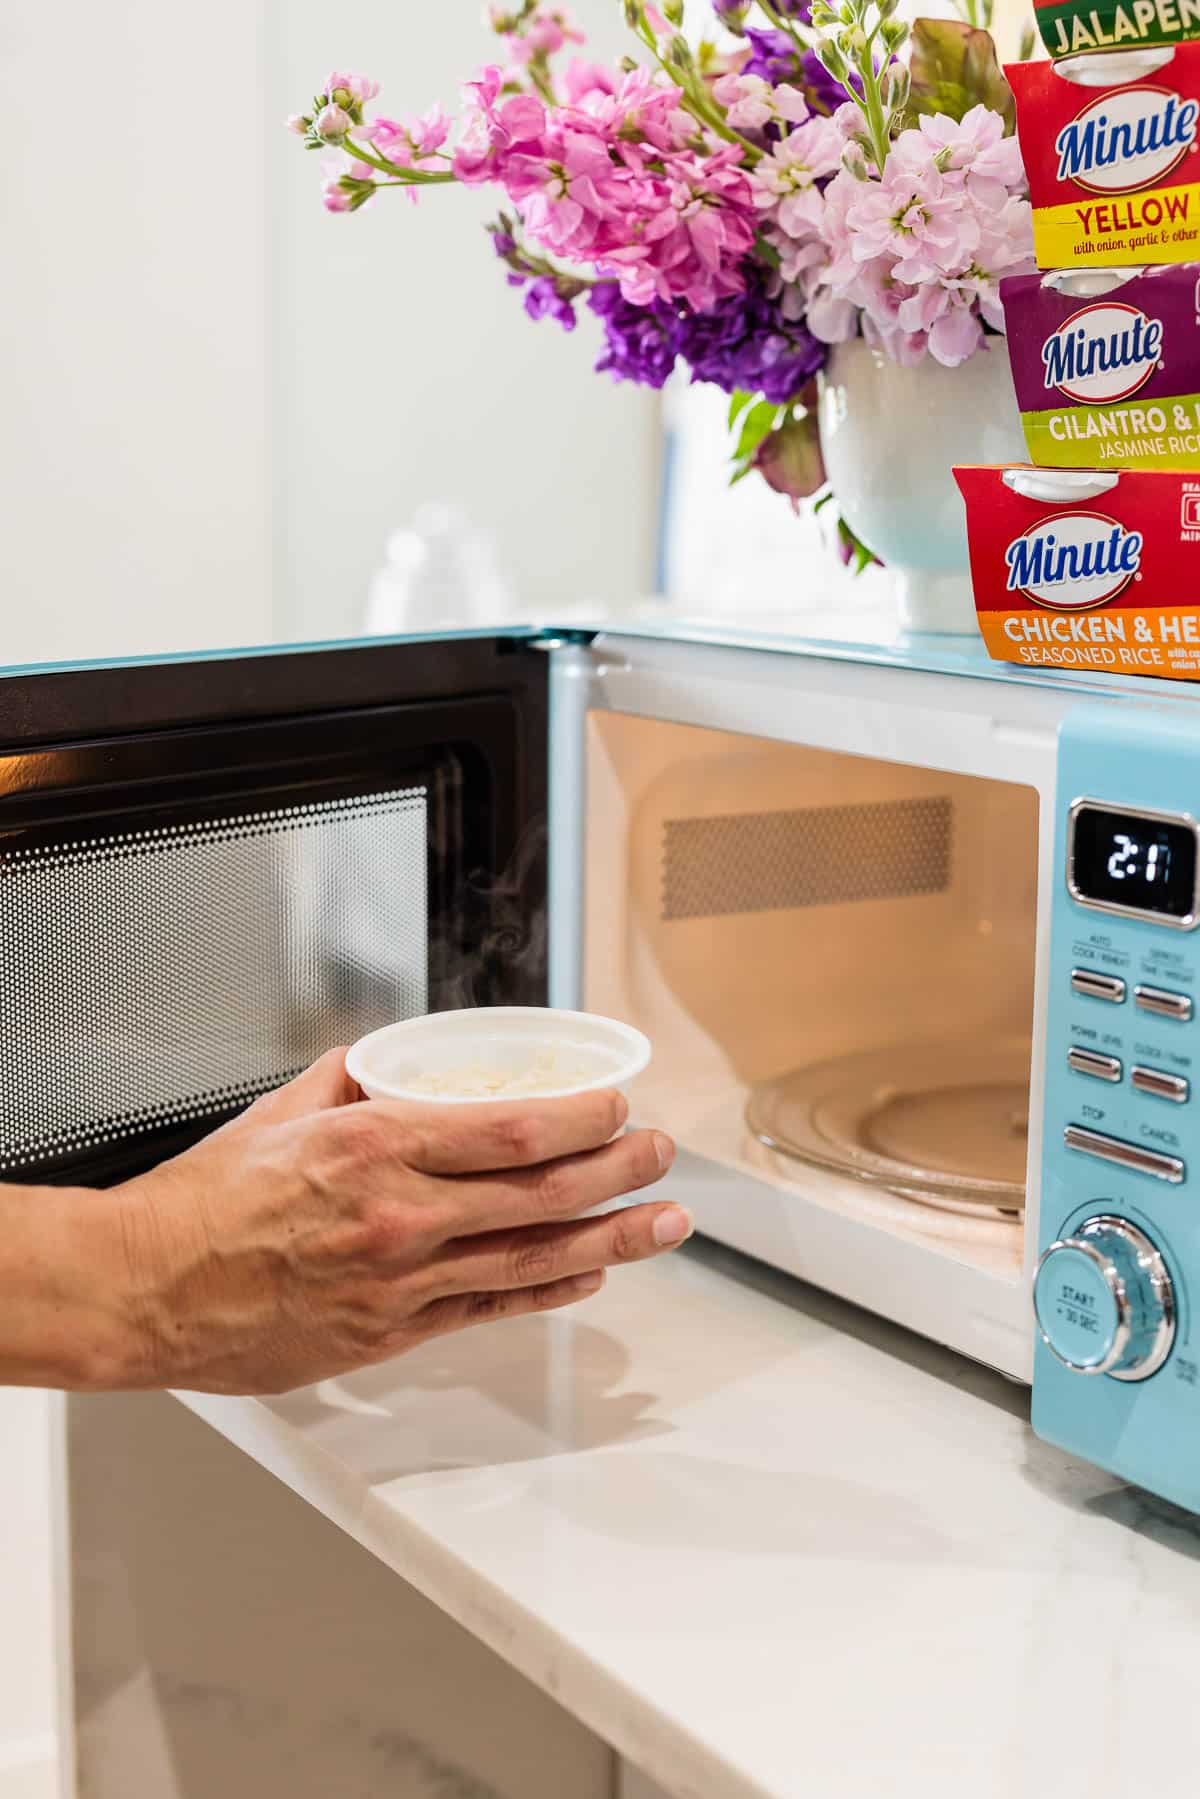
(210,873)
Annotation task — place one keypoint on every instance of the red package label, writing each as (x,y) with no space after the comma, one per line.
(1112,171)
(1091,571)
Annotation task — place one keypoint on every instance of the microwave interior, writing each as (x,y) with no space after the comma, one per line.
(834,959)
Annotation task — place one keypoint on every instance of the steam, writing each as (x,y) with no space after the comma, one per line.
(493,949)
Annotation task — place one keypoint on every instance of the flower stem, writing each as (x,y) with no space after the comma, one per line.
(783,24)
(400,177)
(696,101)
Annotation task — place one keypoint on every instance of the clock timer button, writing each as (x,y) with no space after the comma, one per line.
(1161,1085)
(1104,1301)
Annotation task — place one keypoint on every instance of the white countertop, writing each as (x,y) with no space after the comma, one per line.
(767,1545)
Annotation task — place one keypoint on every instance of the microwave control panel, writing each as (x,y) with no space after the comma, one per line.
(1117,1366)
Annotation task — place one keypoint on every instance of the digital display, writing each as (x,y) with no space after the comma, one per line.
(1145,864)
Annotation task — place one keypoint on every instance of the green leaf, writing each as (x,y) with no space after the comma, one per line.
(756,425)
(737,406)
(954,67)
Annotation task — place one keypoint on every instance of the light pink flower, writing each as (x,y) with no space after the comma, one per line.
(332,124)
(751,103)
(358,87)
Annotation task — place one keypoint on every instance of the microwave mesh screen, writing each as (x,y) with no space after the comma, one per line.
(822,856)
(156,978)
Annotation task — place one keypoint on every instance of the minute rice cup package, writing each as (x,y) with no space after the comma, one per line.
(1109,144)
(1106,364)
(1087,570)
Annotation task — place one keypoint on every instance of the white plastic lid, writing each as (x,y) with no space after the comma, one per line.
(1113,68)
(1059,486)
(1089,284)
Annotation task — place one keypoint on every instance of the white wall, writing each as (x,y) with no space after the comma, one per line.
(405,369)
(133,435)
(36,1739)
(218,400)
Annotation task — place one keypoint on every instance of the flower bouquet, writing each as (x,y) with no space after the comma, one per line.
(819,174)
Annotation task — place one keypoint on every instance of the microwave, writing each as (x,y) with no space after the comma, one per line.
(914,935)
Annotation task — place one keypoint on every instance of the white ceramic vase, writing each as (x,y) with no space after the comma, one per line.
(891,437)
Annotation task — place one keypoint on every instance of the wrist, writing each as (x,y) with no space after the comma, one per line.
(67,1317)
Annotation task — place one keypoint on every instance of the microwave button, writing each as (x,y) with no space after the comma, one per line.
(1098,986)
(1163,1004)
(1101,1068)
(1160,1084)
(1125,1155)
(1105,1302)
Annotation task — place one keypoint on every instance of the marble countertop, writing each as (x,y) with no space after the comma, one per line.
(766,1545)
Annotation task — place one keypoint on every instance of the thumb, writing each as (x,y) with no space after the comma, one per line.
(320,1088)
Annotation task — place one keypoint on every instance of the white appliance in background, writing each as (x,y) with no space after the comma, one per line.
(439,574)
(742,552)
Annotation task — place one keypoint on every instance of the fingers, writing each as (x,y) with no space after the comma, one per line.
(465,1309)
(448,1140)
(556,1190)
(548,1254)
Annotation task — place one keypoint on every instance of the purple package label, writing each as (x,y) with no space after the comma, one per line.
(1106,364)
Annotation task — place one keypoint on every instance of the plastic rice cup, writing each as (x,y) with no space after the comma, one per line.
(497,1055)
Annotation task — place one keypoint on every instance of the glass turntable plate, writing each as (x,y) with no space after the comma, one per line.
(944,1123)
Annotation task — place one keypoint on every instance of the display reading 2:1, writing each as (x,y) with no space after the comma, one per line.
(1133,863)
(1125,863)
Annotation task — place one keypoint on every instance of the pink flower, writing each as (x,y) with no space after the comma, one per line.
(916,257)
(751,103)
(544,34)
(355,88)
(583,79)
(336,193)
(297,122)
(332,124)
(784,185)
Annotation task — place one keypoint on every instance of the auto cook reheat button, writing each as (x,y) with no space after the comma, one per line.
(1125,1155)
(1098,986)
(1163,1004)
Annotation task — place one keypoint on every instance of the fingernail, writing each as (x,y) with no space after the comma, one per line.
(664,1149)
(589,1283)
(622,1109)
(673,1226)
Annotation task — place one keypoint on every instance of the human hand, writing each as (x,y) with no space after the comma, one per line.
(319,1233)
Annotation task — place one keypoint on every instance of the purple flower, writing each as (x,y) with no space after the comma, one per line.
(639,341)
(774,57)
(825,93)
(749,344)
(543,301)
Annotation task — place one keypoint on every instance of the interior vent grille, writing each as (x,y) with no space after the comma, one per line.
(826,856)
(154,978)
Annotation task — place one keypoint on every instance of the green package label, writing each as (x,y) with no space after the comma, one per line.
(1163,434)
(1072,27)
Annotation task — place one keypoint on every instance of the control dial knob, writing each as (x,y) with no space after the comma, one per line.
(1104,1301)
